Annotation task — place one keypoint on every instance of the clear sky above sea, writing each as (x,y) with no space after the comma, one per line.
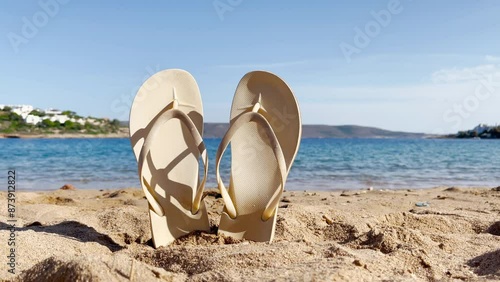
(421,65)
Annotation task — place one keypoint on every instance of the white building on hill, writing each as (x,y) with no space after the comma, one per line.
(52,112)
(31,119)
(80,121)
(481,128)
(60,118)
(22,110)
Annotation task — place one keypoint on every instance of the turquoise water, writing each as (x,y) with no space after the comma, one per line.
(43,164)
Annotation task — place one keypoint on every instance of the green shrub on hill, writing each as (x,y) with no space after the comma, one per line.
(46,123)
(37,113)
(70,114)
(15,117)
(495,132)
(73,126)
(4,116)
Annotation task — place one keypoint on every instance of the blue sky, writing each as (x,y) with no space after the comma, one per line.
(426,66)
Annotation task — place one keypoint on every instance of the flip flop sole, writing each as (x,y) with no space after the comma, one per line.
(171,167)
(254,167)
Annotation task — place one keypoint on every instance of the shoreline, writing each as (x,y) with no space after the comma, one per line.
(332,190)
(65,136)
(126,135)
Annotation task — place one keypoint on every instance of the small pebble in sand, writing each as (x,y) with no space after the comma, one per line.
(67,187)
(285,200)
(370,188)
(324,199)
(311,252)
(357,262)
(328,220)
(422,204)
(117,193)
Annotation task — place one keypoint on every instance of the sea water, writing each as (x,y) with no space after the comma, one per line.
(321,164)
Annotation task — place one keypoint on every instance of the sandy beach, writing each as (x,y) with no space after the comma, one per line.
(103,235)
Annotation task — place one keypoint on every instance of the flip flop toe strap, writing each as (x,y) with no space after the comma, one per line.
(243,119)
(151,195)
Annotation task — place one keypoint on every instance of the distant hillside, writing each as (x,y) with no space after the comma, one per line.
(353,131)
(217,130)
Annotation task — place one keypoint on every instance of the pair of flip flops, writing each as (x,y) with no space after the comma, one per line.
(166,128)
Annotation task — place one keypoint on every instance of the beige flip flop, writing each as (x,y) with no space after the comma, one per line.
(264,133)
(166,125)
